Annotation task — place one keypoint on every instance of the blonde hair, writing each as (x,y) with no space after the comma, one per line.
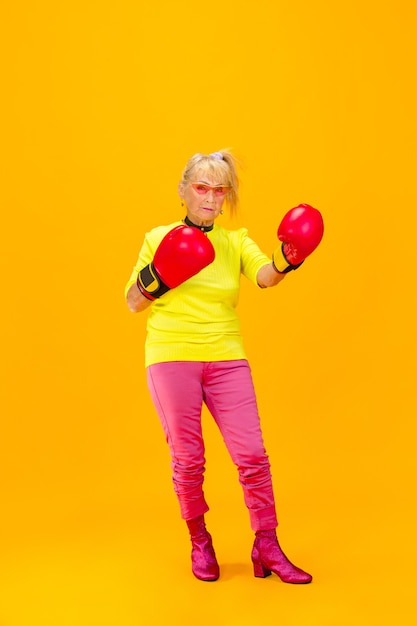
(221,164)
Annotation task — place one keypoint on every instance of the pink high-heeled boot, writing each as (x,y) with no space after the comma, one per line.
(203,557)
(268,557)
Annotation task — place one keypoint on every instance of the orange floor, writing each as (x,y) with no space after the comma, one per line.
(114,568)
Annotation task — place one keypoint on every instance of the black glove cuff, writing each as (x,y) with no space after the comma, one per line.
(150,284)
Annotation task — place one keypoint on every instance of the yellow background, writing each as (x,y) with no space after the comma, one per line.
(103,103)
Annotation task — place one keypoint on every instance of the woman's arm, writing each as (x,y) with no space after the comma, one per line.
(268,276)
(135,300)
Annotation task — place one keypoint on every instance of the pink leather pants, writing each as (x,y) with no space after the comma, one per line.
(178,390)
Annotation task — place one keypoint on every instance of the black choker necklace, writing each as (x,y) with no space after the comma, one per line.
(204,229)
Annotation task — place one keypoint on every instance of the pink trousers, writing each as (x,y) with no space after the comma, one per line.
(178,390)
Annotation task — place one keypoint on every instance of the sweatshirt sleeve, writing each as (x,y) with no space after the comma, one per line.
(252,257)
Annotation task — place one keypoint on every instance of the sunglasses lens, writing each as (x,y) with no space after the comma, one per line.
(200,188)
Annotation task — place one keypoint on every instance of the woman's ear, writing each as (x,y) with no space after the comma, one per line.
(181,190)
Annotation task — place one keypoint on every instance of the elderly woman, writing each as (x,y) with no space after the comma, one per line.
(189,273)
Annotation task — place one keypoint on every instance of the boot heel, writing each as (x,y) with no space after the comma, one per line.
(259,571)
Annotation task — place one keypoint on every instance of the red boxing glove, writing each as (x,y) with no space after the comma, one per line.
(182,253)
(300,231)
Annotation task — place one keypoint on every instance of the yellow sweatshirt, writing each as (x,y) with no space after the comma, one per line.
(197,320)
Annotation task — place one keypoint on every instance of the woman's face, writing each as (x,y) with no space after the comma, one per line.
(203,196)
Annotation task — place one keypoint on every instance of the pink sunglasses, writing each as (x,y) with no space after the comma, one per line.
(202,189)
